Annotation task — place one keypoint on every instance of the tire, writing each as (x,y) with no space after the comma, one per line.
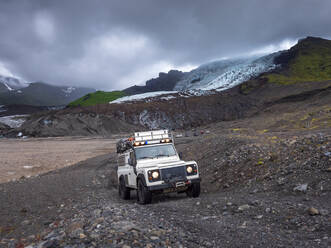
(144,196)
(193,190)
(123,191)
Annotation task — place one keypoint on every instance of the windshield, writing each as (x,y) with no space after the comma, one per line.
(155,151)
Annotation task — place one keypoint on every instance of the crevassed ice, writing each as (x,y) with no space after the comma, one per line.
(225,74)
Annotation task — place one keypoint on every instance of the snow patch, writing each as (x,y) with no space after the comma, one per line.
(14,121)
(2,108)
(10,89)
(69,90)
(141,97)
(167,97)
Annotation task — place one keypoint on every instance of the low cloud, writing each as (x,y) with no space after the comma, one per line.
(110,44)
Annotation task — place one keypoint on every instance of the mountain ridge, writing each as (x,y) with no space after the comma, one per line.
(307,61)
(41,94)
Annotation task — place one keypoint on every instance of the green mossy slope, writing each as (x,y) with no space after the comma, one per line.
(98,97)
(308,61)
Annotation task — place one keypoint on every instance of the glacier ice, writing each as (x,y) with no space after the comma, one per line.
(225,74)
(142,96)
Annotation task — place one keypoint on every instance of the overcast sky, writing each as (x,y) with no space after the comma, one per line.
(112,44)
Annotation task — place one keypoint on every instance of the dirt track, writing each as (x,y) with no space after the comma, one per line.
(246,202)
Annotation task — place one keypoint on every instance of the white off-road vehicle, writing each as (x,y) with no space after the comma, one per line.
(149,163)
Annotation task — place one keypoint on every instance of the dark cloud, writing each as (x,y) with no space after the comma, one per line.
(110,44)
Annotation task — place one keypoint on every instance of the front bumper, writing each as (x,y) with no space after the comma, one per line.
(173,185)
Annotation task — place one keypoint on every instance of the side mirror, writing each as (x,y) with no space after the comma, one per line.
(180,154)
(130,161)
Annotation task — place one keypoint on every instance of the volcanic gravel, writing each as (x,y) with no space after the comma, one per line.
(258,190)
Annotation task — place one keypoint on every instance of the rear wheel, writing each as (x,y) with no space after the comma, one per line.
(193,190)
(123,191)
(144,196)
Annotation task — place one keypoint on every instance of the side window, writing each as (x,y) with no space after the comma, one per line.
(126,159)
(132,158)
(121,160)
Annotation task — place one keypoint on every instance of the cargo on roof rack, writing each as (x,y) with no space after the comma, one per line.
(144,138)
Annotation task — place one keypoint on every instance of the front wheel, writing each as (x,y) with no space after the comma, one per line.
(193,190)
(144,196)
(123,191)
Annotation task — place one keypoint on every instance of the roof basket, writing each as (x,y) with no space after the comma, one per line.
(144,138)
(151,135)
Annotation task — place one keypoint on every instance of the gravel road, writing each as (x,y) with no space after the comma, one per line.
(78,206)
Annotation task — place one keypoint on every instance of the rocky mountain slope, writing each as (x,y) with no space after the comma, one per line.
(164,82)
(176,113)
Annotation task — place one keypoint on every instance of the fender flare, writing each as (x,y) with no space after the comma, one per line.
(122,177)
(142,178)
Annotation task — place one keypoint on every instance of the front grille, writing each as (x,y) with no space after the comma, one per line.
(173,174)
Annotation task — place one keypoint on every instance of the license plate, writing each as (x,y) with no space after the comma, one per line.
(180,184)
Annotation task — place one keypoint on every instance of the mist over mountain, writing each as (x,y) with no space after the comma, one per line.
(11,83)
(13,91)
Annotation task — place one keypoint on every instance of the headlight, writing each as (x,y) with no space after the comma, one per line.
(189,169)
(155,174)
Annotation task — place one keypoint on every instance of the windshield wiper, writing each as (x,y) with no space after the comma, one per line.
(162,155)
(145,157)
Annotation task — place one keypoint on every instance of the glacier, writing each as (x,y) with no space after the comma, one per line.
(142,96)
(211,78)
(224,74)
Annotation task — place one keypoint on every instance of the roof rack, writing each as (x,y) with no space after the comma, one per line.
(144,138)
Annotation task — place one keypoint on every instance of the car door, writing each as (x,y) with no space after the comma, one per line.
(132,170)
